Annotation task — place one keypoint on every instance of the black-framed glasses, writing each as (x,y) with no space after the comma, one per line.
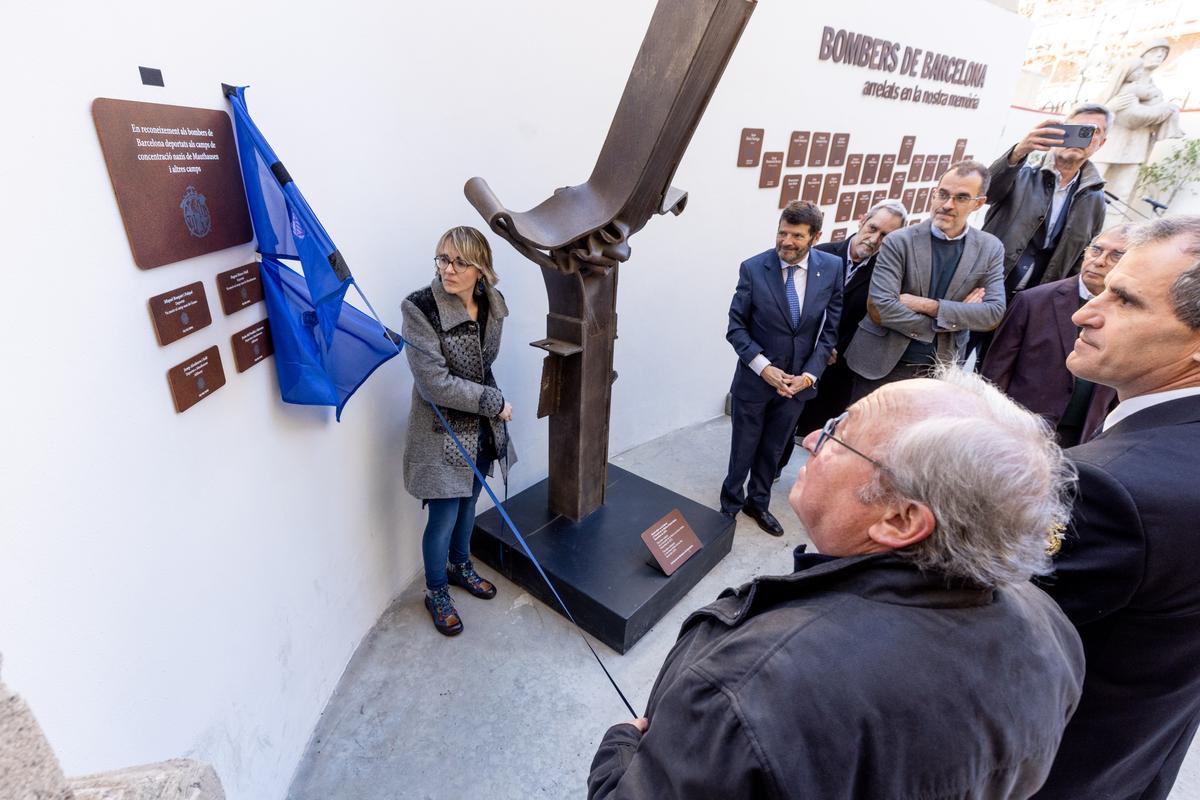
(962,198)
(1111,257)
(443,263)
(827,433)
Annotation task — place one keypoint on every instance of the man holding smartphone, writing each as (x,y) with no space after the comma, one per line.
(1045,212)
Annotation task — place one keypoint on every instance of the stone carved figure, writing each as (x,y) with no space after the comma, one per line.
(1142,117)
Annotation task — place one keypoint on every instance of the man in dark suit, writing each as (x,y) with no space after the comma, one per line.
(1027,359)
(858,264)
(783,325)
(1128,574)
(933,284)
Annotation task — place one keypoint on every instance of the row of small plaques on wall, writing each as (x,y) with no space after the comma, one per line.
(183,311)
(823,154)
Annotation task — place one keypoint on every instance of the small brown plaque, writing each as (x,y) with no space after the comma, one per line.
(914,221)
(914,169)
(239,287)
(943,164)
(819,152)
(837,151)
(829,192)
(790,190)
(897,186)
(772,167)
(931,163)
(798,149)
(812,188)
(853,168)
(671,541)
(906,149)
(862,203)
(870,169)
(179,312)
(845,207)
(838,235)
(879,196)
(908,198)
(251,345)
(960,147)
(750,149)
(176,176)
(886,164)
(922,201)
(196,378)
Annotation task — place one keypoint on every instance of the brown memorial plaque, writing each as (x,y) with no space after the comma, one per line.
(818,154)
(853,168)
(251,345)
(914,221)
(812,188)
(897,186)
(845,207)
(671,541)
(960,148)
(790,190)
(239,287)
(750,148)
(908,198)
(829,192)
(837,150)
(943,164)
(176,176)
(922,204)
(772,167)
(914,169)
(179,312)
(798,149)
(838,235)
(862,203)
(906,149)
(886,164)
(931,163)
(879,196)
(196,378)
(870,169)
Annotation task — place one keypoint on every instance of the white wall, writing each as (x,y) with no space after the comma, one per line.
(194,584)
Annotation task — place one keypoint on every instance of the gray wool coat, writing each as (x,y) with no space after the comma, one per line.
(450,368)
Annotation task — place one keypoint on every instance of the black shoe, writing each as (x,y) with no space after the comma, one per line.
(464,575)
(765,520)
(445,616)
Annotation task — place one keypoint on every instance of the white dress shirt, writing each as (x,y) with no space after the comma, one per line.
(1143,401)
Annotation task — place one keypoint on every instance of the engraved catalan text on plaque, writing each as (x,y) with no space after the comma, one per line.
(772,167)
(870,169)
(239,287)
(853,168)
(252,345)
(886,164)
(818,154)
(829,191)
(862,202)
(906,149)
(196,378)
(750,148)
(812,188)
(671,541)
(839,234)
(179,312)
(914,169)
(790,190)
(176,177)
(943,164)
(897,186)
(845,207)
(837,151)
(798,149)
(922,204)
(960,149)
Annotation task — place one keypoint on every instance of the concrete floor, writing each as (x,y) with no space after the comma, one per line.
(515,706)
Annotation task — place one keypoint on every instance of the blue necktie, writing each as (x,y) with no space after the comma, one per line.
(793,299)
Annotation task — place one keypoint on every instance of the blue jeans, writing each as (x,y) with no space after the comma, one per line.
(448,532)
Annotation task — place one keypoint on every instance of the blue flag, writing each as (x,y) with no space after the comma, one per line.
(324,347)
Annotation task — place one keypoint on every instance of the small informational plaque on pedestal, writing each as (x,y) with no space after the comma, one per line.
(196,378)
(239,287)
(179,312)
(251,345)
(671,541)
(750,148)
(176,176)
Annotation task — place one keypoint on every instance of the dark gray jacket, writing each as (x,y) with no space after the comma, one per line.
(450,368)
(1018,201)
(854,678)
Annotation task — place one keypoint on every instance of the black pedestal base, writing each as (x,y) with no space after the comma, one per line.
(600,566)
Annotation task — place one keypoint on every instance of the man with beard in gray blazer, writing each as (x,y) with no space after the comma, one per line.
(934,283)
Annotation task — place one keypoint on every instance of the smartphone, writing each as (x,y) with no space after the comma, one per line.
(1077,135)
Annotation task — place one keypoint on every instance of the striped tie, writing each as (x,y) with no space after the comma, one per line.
(792,297)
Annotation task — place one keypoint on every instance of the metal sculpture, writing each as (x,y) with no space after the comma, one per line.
(580,234)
